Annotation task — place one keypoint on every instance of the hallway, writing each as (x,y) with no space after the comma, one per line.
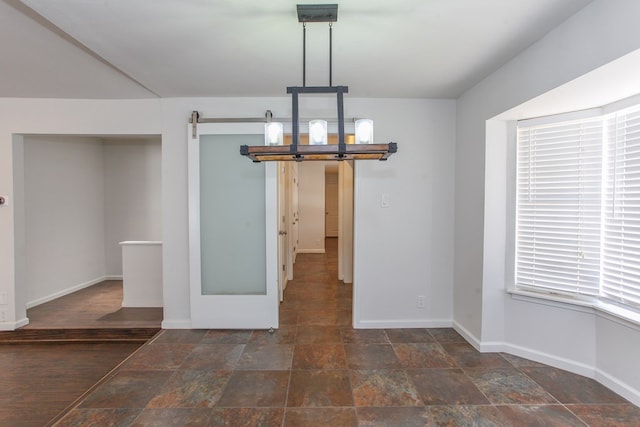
(315,296)
(316,370)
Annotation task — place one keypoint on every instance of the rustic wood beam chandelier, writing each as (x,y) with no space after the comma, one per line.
(318,148)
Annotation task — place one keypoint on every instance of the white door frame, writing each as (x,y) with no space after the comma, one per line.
(231,311)
(346,217)
(283,228)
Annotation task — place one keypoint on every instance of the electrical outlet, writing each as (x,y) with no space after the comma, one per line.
(421,301)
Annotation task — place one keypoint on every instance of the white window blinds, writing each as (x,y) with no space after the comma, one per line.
(621,208)
(559,183)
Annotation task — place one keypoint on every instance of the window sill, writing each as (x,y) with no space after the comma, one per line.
(613,312)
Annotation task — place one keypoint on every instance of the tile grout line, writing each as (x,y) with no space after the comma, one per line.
(346,362)
(76,403)
(286,399)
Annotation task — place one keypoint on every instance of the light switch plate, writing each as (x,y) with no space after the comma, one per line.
(384,200)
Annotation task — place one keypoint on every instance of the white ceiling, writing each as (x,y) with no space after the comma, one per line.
(167,48)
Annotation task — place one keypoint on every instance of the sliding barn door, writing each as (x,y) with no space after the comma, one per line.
(232,230)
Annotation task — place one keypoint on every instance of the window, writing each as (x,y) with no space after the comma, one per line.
(620,276)
(578,207)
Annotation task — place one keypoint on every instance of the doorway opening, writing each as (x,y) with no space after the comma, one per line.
(331,200)
(78,199)
(316,213)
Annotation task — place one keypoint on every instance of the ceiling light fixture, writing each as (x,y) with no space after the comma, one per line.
(318,148)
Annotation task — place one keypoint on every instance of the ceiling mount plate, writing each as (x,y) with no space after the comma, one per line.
(317,12)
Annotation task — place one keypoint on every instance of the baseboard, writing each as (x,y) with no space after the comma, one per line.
(311,251)
(471,339)
(402,323)
(22,322)
(481,346)
(113,277)
(536,356)
(615,384)
(12,326)
(549,359)
(143,303)
(64,292)
(176,324)
(623,389)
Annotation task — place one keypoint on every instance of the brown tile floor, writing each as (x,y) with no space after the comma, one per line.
(316,370)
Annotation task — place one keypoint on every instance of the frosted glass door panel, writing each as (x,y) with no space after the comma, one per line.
(232,217)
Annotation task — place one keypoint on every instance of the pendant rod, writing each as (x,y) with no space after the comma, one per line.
(295,120)
(330,54)
(341,141)
(304,54)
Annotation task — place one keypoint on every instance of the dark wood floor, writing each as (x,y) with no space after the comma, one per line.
(98,306)
(69,346)
(40,381)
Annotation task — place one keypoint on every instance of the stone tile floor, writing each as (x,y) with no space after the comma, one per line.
(316,370)
(335,375)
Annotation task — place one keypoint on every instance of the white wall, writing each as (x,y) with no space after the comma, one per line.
(311,207)
(51,117)
(618,346)
(133,195)
(600,33)
(345,222)
(64,215)
(405,250)
(558,334)
(82,196)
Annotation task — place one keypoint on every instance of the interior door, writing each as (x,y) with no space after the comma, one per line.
(232,230)
(331,203)
(288,189)
(295,216)
(283,230)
